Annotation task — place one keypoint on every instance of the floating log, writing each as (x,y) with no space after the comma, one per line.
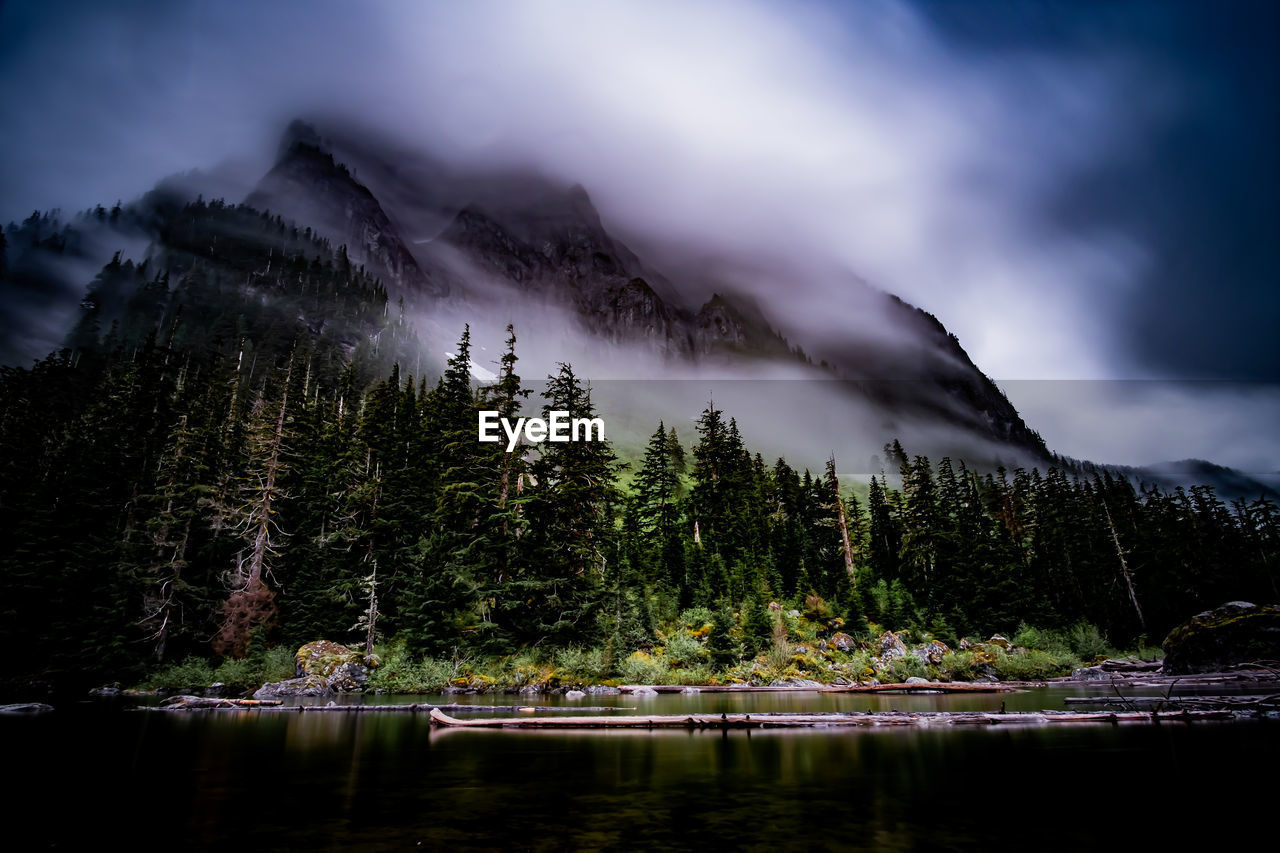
(926,687)
(1175,702)
(827,720)
(1160,679)
(713,688)
(190,703)
(202,704)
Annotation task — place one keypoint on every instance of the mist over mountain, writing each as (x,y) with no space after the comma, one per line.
(455,246)
(520,247)
(1076,194)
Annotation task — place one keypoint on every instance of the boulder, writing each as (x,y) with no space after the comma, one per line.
(1001,641)
(1236,632)
(575,694)
(322,657)
(843,642)
(930,653)
(348,677)
(891,646)
(307,685)
(23,708)
(1092,673)
(644,691)
(218,690)
(691,691)
(915,679)
(111,691)
(603,690)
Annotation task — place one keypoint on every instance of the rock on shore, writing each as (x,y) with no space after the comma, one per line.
(1234,633)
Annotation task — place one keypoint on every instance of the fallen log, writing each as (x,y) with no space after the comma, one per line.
(1173,702)
(926,687)
(203,704)
(183,703)
(714,688)
(822,720)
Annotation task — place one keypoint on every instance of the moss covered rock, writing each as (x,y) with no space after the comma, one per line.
(930,653)
(843,642)
(891,646)
(1236,632)
(323,657)
(307,685)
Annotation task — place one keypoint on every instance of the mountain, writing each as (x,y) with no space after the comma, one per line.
(1229,483)
(504,242)
(309,187)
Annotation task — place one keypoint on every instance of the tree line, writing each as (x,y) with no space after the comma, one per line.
(238,460)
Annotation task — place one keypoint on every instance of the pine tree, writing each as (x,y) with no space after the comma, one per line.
(572,522)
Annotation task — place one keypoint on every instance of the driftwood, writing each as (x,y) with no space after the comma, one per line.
(1174,702)
(202,704)
(828,720)
(185,703)
(1153,678)
(927,687)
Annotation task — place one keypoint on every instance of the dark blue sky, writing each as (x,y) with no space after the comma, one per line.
(1203,192)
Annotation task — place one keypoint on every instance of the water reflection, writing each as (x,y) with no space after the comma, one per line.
(388,781)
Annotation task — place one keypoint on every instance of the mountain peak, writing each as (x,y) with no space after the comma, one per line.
(308,185)
(299,133)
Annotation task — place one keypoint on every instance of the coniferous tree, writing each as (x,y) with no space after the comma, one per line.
(571,522)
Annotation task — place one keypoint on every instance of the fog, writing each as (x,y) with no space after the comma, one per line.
(796,148)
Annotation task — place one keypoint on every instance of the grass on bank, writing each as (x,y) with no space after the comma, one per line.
(803,645)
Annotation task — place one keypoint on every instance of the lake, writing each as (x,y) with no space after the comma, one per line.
(87,775)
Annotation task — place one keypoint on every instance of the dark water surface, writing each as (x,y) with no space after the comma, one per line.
(88,778)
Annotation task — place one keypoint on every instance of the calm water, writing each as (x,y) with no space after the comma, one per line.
(80,778)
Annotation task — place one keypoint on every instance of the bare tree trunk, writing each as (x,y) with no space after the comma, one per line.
(261,515)
(251,602)
(1124,568)
(841,517)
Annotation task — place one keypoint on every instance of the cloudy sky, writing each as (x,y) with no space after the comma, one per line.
(1080,191)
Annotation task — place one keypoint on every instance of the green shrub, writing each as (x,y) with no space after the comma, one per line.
(1034,665)
(899,670)
(579,665)
(695,617)
(958,666)
(644,668)
(683,650)
(1029,637)
(238,673)
(1087,641)
(192,672)
(401,673)
(690,675)
(859,665)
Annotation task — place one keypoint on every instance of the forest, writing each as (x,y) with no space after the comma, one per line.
(228,455)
